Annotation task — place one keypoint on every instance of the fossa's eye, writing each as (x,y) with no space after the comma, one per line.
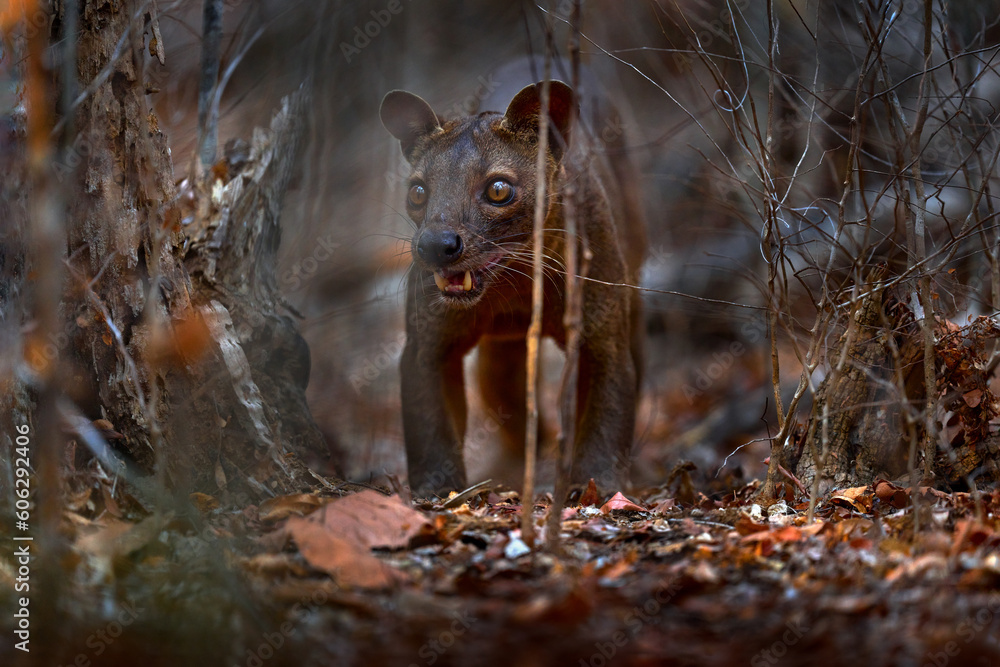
(499,192)
(417,196)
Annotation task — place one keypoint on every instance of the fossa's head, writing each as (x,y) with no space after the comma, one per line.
(472,185)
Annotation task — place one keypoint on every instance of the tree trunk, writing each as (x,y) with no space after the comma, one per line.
(855,432)
(867,413)
(173,329)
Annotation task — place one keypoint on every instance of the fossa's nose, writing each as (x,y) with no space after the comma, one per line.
(440,247)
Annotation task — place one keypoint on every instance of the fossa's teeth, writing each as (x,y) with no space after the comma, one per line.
(446,285)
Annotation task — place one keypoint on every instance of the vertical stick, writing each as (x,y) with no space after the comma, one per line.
(773,235)
(916,241)
(573,316)
(766,162)
(535,328)
(208,120)
(924,287)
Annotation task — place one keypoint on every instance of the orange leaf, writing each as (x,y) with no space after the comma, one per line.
(282,507)
(374,520)
(590,497)
(891,494)
(348,562)
(788,534)
(204,502)
(813,528)
(857,498)
(747,526)
(620,502)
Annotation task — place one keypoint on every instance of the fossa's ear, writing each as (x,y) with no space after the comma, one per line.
(523,111)
(407,117)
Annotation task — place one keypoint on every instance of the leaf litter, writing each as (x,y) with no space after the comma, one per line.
(642,579)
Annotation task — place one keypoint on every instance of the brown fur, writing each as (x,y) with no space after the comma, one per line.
(455,162)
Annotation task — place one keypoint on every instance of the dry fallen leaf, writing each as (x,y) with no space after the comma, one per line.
(282,507)
(919,565)
(973,398)
(374,520)
(858,498)
(590,496)
(889,493)
(204,502)
(788,534)
(348,562)
(338,537)
(620,502)
(969,534)
(747,526)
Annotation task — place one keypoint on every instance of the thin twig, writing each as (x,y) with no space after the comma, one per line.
(576,240)
(537,291)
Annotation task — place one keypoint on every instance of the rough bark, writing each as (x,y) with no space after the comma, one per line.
(259,361)
(173,328)
(855,431)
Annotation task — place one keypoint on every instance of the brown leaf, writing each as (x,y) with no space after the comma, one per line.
(110,504)
(969,534)
(891,494)
(347,561)
(973,398)
(620,502)
(282,507)
(918,566)
(590,497)
(813,529)
(619,568)
(858,498)
(747,526)
(204,502)
(373,520)
(788,534)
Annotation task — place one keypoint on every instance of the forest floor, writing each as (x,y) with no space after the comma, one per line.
(668,576)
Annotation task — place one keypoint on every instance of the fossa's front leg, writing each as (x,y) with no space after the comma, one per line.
(433,398)
(607,394)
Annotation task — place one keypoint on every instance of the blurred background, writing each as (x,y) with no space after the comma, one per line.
(700,92)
